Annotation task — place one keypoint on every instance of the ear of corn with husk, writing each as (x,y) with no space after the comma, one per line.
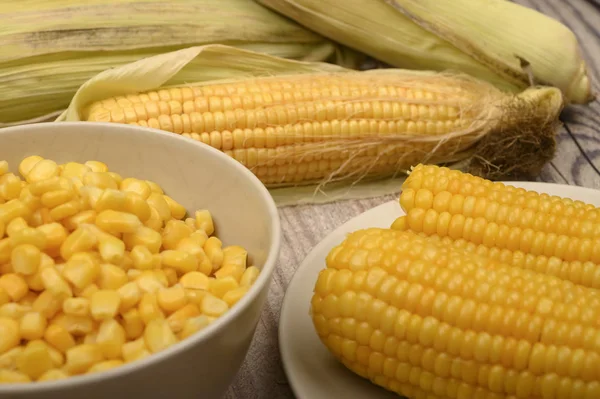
(499,41)
(297,124)
(49,48)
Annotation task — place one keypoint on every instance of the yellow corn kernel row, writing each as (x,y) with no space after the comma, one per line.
(98,270)
(583,273)
(427,320)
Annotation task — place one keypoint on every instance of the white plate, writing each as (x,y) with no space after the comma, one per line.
(312,371)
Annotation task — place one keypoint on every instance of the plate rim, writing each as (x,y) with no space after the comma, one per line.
(318,247)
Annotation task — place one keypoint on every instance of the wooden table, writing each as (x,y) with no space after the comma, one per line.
(577,162)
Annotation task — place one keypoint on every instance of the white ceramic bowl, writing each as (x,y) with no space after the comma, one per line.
(199,177)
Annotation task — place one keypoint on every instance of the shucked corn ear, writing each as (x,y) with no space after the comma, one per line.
(346,126)
(430,321)
(545,233)
(496,40)
(48,48)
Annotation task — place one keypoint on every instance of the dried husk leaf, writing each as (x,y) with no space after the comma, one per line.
(48,48)
(504,135)
(493,40)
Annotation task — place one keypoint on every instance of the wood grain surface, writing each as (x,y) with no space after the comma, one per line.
(577,162)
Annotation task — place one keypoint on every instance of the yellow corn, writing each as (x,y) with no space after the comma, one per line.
(110,339)
(35,360)
(32,326)
(59,338)
(249,277)
(420,318)
(86,284)
(81,357)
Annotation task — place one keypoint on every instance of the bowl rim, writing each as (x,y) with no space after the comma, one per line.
(263,281)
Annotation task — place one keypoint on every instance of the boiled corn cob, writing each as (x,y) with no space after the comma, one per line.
(98,270)
(431,321)
(499,41)
(341,126)
(495,215)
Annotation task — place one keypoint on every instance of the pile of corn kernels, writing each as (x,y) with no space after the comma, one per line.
(98,270)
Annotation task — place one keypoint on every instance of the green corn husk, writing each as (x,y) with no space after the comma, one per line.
(514,134)
(499,41)
(48,48)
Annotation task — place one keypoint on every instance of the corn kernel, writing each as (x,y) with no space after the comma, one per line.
(99,179)
(133,274)
(13,209)
(14,285)
(106,365)
(138,206)
(13,377)
(14,310)
(195,296)
(88,291)
(157,201)
(149,309)
(223,285)
(10,336)
(35,359)
(155,222)
(42,170)
(28,163)
(81,357)
(54,283)
(161,276)
(74,169)
(233,296)
(104,304)
(25,259)
(230,270)
(178,318)
(214,252)
(81,270)
(83,217)
(149,282)
(235,255)
(135,350)
(5,252)
(52,199)
(144,236)
(158,335)
(66,210)
(76,306)
(213,306)
(4,297)
(182,262)
(133,324)
(174,231)
(177,210)
(111,277)
(10,187)
(90,196)
(55,234)
(8,360)
(118,222)
(130,295)
(154,187)
(193,325)
(171,299)
(191,222)
(112,250)
(59,337)
(194,280)
(76,325)
(110,338)
(137,186)
(32,326)
(48,303)
(53,375)
(204,221)
(58,359)
(80,240)
(15,225)
(96,166)
(111,199)
(141,257)
(30,200)
(29,235)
